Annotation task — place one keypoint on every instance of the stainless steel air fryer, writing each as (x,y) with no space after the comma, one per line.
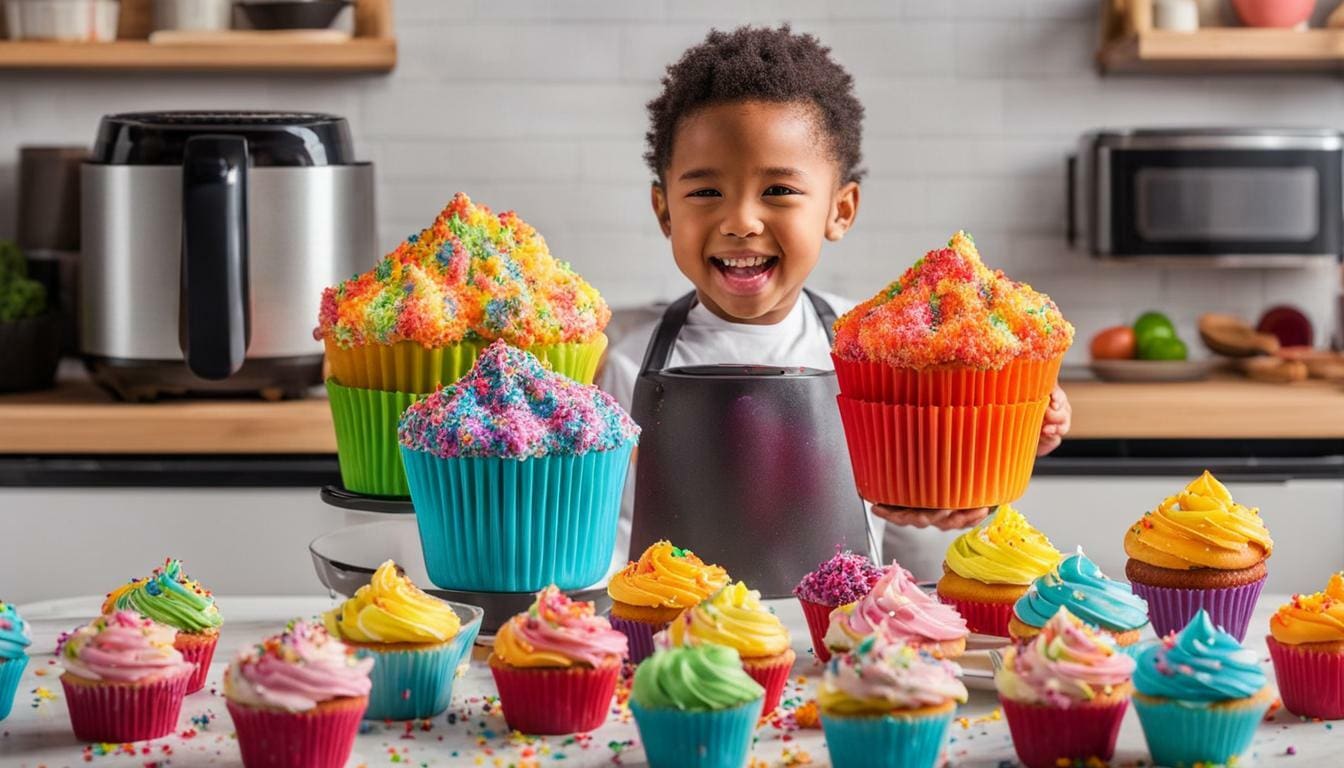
(207,240)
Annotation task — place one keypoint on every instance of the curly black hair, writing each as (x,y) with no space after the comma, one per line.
(759,64)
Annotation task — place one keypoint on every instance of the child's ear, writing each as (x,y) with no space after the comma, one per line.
(844,207)
(658,197)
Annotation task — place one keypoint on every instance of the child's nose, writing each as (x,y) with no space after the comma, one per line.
(741,221)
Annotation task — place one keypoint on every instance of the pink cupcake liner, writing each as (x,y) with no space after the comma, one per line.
(773,678)
(1044,736)
(640,634)
(120,712)
(200,653)
(984,618)
(1170,609)
(1311,683)
(555,701)
(818,620)
(321,738)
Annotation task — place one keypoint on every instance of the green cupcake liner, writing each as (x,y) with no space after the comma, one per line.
(366,438)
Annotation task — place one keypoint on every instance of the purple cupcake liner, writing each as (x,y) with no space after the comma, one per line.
(640,634)
(1170,609)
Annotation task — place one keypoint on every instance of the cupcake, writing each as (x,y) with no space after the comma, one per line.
(1306,644)
(945,376)
(516,474)
(1078,584)
(123,679)
(989,568)
(844,578)
(899,610)
(296,699)
(1199,695)
(695,707)
(735,617)
(556,666)
(1064,692)
(886,705)
(422,315)
(415,639)
(1199,550)
(650,592)
(14,642)
(170,597)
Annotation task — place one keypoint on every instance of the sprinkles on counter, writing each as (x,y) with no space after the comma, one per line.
(950,309)
(510,406)
(844,578)
(471,275)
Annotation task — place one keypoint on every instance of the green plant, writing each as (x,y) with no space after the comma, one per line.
(19,296)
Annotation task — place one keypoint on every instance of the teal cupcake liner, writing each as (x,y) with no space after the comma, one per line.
(10,672)
(366,438)
(414,684)
(510,525)
(675,738)
(886,741)
(1180,735)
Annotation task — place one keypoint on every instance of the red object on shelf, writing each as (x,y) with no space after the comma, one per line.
(1290,326)
(1274,13)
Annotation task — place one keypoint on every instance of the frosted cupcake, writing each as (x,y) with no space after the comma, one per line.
(296,699)
(516,475)
(14,642)
(123,679)
(1306,644)
(648,593)
(989,568)
(844,578)
(900,611)
(1079,585)
(170,597)
(416,640)
(556,666)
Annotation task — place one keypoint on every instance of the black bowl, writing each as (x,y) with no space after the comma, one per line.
(292,14)
(30,349)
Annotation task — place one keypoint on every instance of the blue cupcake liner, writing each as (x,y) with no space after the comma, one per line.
(1180,735)
(886,741)
(10,672)
(510,525)
(675,738)
(414,684)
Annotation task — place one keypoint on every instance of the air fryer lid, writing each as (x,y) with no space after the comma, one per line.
(273,138)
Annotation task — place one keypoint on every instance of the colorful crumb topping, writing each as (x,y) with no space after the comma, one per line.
(392,609)
(1314,618)
(122,647)
(1066,664)
(14,635)
(471,275)
(950,309)
(666,576)
(558,632)
(881,676)
(1200,664)
(168,596)
(296,670)
(844,578)
(510,406)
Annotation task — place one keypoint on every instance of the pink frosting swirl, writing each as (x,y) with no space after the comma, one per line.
(296,670)
(898,609)
(558,632)
(1068,662)
(122,647)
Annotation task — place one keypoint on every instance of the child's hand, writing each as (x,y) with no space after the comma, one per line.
(942,519)
(1058,418)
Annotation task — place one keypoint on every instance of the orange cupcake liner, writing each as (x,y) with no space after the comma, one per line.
(409,367)
(1020,381)
(954,457)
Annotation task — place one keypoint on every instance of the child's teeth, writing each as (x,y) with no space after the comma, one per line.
(750,262)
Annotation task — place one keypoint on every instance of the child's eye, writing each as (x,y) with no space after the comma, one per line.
(705,193)
(779,189)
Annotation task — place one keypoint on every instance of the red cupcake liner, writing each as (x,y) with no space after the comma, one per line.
(1020,381)
(818,620)
(772,677)
(984,618)
(319,738)
(1046,737)
(953,457)
(199,649)
(120,712)
(1311,683)
(1170,608)
(639,635)
(555,701)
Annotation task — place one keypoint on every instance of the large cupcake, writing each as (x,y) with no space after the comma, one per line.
(844,578)
(296,699)
(735,617)
(886,705)
(989,568)
(899,610)
(1199,550)
(170,597)
(14,642)
(123,679)
(695,707)
(422,315)
(1079,585)
(516,475)
(944,377)
(648,593)
(415,639)
(1064,693)
(556,666)
(1306,643)
(1200,696)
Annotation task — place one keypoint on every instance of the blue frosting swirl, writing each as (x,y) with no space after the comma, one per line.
(14,637)
(1201,664)
(1090,595)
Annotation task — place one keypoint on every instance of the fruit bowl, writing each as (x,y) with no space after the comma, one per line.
(1228,335)
(1152,370)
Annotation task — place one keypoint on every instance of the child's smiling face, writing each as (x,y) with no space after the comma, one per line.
(750,191)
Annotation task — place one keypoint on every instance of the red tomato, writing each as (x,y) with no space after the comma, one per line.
(1114,343)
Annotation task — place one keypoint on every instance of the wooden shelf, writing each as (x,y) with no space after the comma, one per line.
(1224,49)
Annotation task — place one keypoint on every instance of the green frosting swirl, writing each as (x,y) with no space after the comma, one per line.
(168,597)
(697,678)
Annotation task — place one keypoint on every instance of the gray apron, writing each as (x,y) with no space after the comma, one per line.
(746,465)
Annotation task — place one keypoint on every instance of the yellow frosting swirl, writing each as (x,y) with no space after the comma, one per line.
(391,609)
(1200,527)
(734,617)
(1315,618)
(666,577)
(1004,549)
